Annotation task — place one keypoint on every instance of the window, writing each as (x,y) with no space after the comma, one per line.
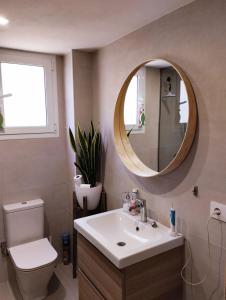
(28,98)
(130,108)
(134,105)
(183,103)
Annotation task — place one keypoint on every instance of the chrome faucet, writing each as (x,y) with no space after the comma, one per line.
(143,210)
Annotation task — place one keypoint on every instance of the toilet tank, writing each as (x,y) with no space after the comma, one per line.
(24,222)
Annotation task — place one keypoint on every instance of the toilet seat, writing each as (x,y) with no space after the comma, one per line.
(33,255)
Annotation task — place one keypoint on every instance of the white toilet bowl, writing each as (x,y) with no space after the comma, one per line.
(33,256)
(34,265)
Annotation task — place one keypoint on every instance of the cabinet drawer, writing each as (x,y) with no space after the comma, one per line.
(87,290)
(100,271)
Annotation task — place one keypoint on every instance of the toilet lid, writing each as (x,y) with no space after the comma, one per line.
(33,255)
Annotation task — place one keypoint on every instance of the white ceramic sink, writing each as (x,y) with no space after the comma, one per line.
(105,230)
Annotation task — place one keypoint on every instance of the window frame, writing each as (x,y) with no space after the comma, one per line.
(48,62)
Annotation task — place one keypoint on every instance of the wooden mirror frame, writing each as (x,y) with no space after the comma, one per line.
(122,143)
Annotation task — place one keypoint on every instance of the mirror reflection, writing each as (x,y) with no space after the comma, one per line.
(156,113)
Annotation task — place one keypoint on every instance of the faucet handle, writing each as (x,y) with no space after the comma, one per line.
(154,224)
(141,203)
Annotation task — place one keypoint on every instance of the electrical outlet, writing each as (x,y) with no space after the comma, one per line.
(218,211)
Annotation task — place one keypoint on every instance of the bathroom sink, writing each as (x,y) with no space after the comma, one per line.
(123,239)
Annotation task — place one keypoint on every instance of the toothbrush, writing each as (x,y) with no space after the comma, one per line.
(173,221)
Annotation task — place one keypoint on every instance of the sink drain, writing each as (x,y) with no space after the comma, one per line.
(121,244)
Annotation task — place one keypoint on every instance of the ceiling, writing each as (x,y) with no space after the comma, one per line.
(57,26)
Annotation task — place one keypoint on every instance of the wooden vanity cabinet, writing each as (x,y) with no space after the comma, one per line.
(156,278)
(86,289)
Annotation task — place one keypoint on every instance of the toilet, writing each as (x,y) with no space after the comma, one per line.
(32,255)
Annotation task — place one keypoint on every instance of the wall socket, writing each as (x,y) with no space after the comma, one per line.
(218,207)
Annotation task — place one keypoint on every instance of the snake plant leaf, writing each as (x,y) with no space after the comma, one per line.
(86,153)
(83,159)
(82,140)
(98,148)
(81,162)
(1,121)
(78,166)
(83,173)
(93,157)
(89,140)
(91,165)
(98,153)
(84,134)
(92,130)
(72,140)
(83,144)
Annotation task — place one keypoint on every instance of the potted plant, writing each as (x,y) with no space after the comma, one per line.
(87,147)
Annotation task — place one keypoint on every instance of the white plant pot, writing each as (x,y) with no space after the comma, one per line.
(92,194)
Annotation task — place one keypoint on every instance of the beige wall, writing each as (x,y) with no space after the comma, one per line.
(82,73)
(194,38)
(78,67)
(152,116)
(69,112)
(33,168)
(78,105)
(171,132)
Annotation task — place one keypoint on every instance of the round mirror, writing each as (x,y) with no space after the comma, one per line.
(155,118)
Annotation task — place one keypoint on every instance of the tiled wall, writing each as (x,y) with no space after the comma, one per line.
(194,38)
